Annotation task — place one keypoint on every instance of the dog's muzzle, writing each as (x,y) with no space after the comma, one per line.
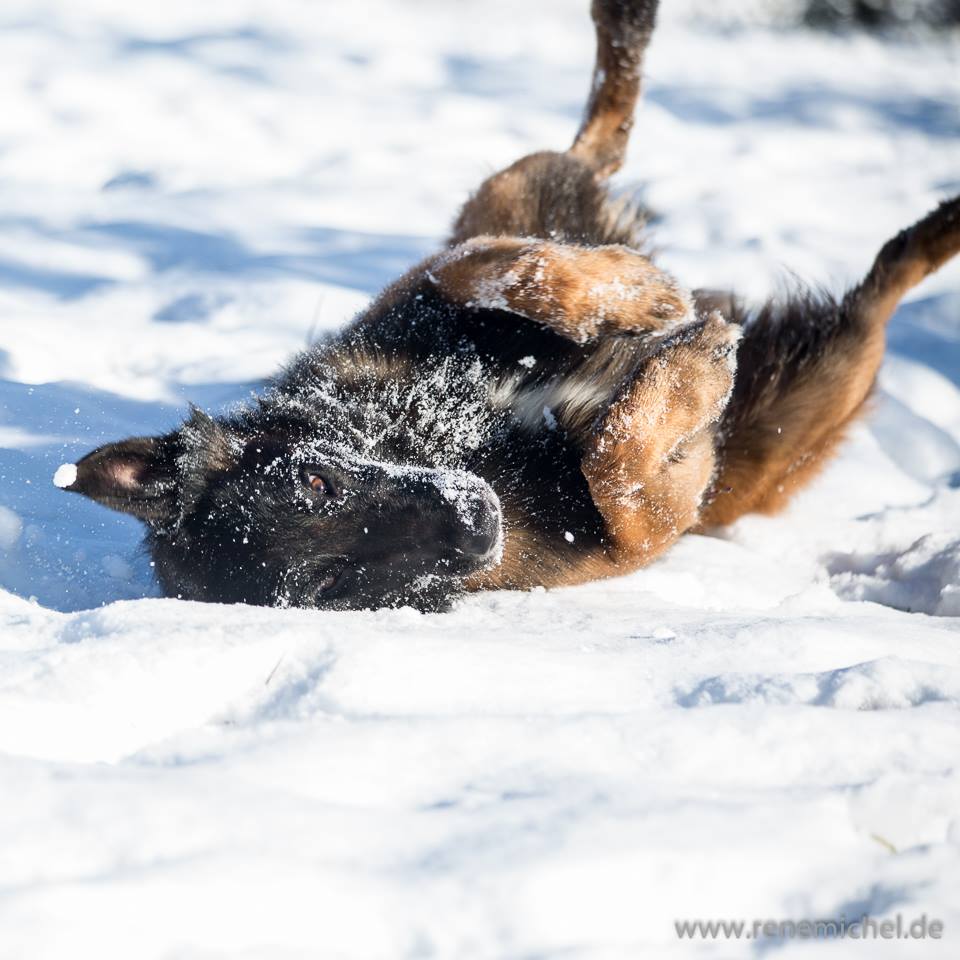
(474,521)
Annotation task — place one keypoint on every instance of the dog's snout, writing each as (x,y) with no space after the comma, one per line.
(481,533)
(432,522)
(469,520)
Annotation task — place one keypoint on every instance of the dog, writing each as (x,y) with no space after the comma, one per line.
(536,404)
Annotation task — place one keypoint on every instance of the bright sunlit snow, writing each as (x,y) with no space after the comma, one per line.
(764,724)
(65,475)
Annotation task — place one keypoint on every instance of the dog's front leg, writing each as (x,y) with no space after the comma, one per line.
(581,293)
(651,455)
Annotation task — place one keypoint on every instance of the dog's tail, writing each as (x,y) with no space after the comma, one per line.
(805,367)
(623,29)
(904,261)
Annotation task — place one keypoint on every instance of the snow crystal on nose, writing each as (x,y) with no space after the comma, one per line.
(464,490)
(66,474)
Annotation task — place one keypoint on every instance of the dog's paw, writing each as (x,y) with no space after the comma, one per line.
(681,390)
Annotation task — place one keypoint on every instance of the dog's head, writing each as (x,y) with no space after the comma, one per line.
(280,513)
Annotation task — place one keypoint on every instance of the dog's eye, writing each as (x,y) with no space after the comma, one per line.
(319,484)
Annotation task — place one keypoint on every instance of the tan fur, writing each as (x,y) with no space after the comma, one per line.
(602,139)
(651,456)
(540,195)
(907,259)
(648,461)
(762,475)
(529,562)
(579,292)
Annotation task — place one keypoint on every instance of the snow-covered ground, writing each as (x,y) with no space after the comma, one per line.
(761,725)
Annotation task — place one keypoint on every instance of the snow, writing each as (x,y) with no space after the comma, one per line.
(10,528)
(925,577)
(65,475)
(763,724)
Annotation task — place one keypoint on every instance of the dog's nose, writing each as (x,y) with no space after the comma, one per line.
(452,519)
(480,535)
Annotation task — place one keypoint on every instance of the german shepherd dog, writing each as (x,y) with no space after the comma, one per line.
(537,404)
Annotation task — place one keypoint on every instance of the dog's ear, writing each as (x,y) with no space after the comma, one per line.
(135,476)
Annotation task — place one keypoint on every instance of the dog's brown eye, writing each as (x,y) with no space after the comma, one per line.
(318,484)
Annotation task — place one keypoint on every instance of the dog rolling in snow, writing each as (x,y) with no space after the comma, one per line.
(537,404)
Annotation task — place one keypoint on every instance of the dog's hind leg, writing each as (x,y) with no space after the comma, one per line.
(561,196)
(650,458)
(624,28)
(806,367)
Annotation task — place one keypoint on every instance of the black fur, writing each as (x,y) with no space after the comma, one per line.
(399,417)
